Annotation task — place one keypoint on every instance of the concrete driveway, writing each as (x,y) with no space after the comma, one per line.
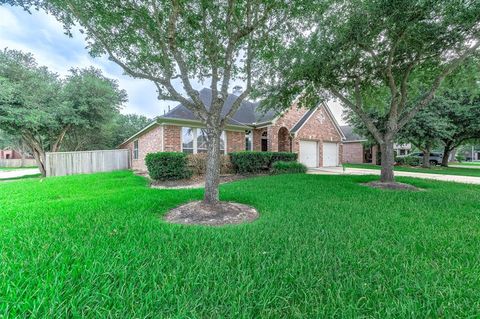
(15,173)
(364,171)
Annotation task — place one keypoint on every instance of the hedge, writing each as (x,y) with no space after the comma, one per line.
(167,166)
(254,162)
(408,161)
(198,163)
(288,168)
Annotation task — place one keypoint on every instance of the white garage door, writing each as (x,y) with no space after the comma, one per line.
(308,153)
(330,154)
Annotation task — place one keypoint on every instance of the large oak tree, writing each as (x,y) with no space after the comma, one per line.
(177,40)
(374,54)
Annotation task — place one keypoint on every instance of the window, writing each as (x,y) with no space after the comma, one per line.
(188,137)
(135,149)
(194,140)
(248,140)
(201,140)
(264,141)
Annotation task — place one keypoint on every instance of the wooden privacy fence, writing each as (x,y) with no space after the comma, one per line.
(17,162)
(69,163)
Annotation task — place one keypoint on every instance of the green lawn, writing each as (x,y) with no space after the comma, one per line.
(474,164)
(15,168)
(434,170)
(324,246)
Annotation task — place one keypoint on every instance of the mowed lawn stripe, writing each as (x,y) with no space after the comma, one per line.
(96,246)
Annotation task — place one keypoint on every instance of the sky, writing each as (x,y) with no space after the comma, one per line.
(43,36)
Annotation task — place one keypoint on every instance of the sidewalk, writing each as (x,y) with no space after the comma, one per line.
(364,171)
(18,173)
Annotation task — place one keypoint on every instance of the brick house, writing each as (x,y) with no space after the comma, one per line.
(312,133)
(356,149)
(10,154)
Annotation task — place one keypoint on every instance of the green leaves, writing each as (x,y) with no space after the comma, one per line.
(37,102)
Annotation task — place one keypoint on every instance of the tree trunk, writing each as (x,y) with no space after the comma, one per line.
(426,157)
(212,173)
(446,154)
(40,159)
(388,159)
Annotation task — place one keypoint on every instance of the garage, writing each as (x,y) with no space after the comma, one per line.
(308,153)
(330,154)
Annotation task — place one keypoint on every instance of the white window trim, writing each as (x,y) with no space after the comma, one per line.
(195,142)
(251,140)
(138,149)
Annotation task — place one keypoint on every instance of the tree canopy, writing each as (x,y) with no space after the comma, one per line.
(42,108)
(390,56)
(176,42)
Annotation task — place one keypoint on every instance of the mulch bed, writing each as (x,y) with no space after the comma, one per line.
(392,186)
(223,213)
(196,181)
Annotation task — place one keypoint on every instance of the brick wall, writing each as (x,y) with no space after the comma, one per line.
(235,141)
(288,120)
(172,138)
(149,142)
(321,128)
(353,152)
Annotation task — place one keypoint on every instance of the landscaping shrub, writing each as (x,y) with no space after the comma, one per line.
(281,167)
(407,161)
(198,164)
(255,162)
(167,166)
(460,158)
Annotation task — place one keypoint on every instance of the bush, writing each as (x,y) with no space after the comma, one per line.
(198,163)
(407,161)
(281,167)
(167,166)
(460,158)
(255,162)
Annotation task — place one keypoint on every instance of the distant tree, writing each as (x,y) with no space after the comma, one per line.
(107,135)
(127,125)
(386,55)
(462,109)
(165,40)
(42,109)
(426,130)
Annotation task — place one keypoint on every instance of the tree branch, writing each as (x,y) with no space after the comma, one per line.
(361,113)
(436,84)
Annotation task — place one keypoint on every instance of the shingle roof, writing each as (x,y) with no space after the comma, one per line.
(248,113)
(350,135)
(303,120)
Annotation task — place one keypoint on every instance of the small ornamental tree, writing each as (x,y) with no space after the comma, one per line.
(175,40)
(369,54)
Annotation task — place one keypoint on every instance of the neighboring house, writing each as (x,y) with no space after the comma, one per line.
(402,149)
(10,154)
(356,151)
(312,133)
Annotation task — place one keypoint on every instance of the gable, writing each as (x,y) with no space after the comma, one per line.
(321,125)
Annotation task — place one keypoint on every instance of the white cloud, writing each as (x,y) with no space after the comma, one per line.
(44,37)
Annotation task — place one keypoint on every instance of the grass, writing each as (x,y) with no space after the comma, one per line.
(20,177)
(475,164)
(15,168)
(434,170)
(324,246)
